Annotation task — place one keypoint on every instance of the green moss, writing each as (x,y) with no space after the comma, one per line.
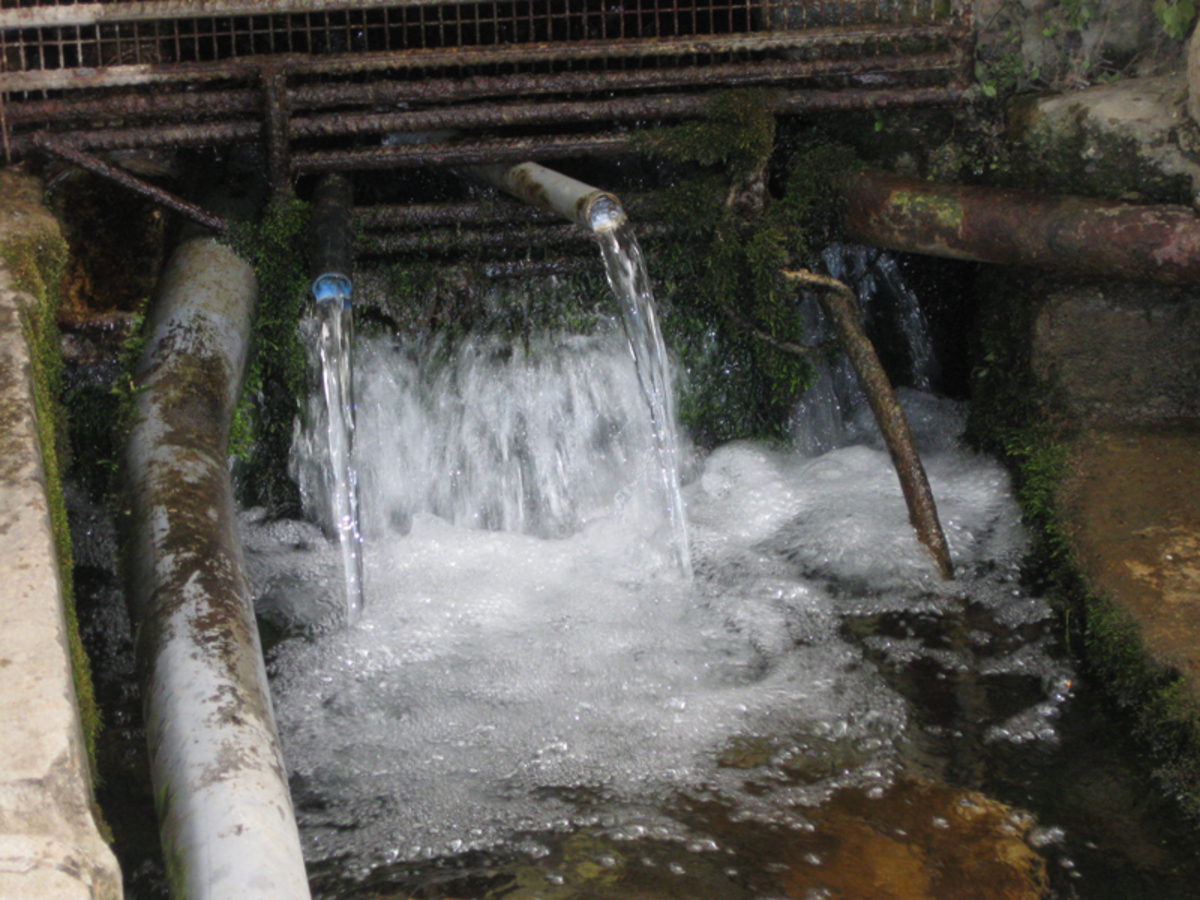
(275,377)
(737,133)
(36,262)
(722,279)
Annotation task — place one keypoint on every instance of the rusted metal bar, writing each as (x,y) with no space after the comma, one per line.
(499,115)
(454,241)
(278,119)
(840,304)
(450,241)
(154,194)
(450,90)
(166,136)
(802,102)
(192,104)
(466,154)
(824,40)
(500,212)
(659,106)
(432,214)
(4,132)
(1016,228)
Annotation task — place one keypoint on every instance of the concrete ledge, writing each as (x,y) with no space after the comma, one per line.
(50,847)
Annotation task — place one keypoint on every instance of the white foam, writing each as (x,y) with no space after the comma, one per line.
(503,683)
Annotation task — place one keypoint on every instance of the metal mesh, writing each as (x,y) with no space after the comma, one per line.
(108,35)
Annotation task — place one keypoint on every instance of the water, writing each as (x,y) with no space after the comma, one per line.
(323,463)
(525,685)
(626,270)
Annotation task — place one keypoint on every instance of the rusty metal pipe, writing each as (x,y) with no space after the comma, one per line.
(1136,242)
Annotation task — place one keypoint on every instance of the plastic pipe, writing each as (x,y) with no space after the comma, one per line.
(220,786)
(538,186)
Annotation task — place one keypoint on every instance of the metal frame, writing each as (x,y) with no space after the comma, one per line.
(339,80)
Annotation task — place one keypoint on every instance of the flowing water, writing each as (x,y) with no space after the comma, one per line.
(534,705)
(630,283)
(323,461)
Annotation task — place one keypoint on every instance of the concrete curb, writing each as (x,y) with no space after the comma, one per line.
(50,847)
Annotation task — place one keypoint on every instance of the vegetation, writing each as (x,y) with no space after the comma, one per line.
(728,311)
(275,379)
(1064,44)
(36,261)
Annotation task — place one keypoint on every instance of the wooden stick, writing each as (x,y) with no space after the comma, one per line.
(841,305)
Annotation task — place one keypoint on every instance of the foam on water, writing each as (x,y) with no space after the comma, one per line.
(504,683)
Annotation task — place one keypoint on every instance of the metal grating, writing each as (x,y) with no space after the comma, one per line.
(302,75)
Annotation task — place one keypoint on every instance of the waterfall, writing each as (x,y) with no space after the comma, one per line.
(832,411)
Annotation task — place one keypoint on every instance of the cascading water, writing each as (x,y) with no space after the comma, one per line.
(528,700)
(323,455)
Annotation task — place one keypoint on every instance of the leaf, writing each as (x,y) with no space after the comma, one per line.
(1176,17)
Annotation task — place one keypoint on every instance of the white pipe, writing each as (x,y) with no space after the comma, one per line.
(580,203)
(220,786)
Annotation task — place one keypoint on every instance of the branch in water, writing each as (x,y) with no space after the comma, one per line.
(841,305)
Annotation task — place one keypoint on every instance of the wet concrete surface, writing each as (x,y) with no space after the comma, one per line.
(1133,514)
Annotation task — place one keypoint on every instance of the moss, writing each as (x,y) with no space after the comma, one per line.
(1018,418)
(36,262)
(722,274)
(738,133)
(275,377)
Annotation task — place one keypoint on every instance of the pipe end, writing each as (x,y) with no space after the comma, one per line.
(332,287)
(605,213)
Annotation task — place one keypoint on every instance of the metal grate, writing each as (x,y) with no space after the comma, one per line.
(45,37)
(300,74)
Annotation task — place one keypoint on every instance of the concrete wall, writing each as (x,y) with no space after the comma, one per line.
(50,847)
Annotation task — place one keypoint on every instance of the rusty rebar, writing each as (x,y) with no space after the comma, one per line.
(499,212)
(401,156)
(157,195)
(433,214)
(656,106)
(458,58)
(455,240)
(279,125)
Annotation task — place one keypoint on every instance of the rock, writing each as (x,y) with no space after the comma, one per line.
(1120,350)
(1130,136)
